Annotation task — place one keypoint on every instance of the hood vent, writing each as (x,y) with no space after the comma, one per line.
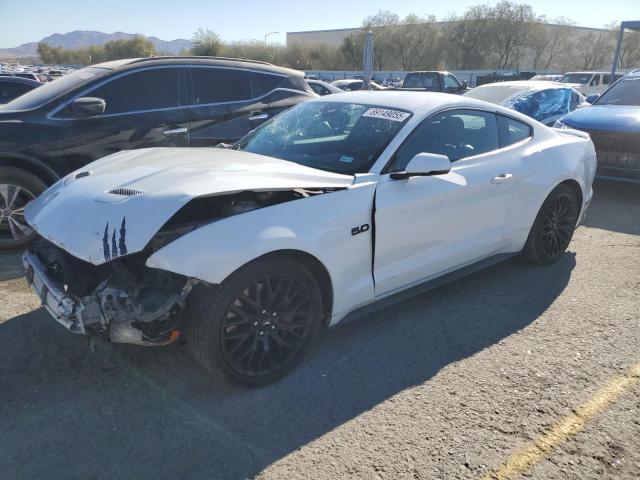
(125,192)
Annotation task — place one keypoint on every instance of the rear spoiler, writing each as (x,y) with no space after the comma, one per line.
(571,131)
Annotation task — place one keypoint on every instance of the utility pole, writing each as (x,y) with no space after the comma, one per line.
(265,38)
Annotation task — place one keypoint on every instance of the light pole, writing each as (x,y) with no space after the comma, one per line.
(265,38)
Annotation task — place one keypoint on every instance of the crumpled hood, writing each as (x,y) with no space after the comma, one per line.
(115,205)
(616,118)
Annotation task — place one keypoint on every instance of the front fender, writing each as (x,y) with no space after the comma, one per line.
(320,225)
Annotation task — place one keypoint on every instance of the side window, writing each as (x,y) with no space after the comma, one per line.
(595,80)
(319,89)
(9,90)
(457,134)
(512,131)
(216,85)
(264,83)
(450,83)
(150,89)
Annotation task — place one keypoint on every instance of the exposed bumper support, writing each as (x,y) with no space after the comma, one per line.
(66,310)
(142,316)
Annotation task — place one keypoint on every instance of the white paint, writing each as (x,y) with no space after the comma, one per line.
(424,226)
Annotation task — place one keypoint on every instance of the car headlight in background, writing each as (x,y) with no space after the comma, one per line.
(560,125)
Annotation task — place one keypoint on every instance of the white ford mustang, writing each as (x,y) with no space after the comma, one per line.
(331,206)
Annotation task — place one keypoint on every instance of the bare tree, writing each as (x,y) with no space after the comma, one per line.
(548,40)
(415,44)
(467,39)
(511,29)
(593,50)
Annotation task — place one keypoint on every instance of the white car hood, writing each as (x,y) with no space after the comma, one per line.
(81,214)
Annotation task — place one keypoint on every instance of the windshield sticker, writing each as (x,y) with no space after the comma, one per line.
(86,75)
(395,115)
(346,159)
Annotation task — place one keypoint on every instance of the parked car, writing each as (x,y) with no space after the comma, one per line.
(589,83)
(354,84)
(128,104)
(544,101)
(323,88)
(546,78)
(13,87)
(433,81)
(613,123)
(25,75)
(335,204)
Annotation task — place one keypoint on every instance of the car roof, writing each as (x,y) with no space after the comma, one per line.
(193,60)
(419,103)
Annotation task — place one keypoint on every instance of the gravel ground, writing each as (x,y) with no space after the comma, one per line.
(446,385)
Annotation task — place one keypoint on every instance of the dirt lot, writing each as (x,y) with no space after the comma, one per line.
(447,385)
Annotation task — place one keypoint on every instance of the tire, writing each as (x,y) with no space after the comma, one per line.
(553,227)
(17,188)
(235,327)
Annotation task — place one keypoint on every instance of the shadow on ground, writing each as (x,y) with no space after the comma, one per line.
(615,207)
(127,412)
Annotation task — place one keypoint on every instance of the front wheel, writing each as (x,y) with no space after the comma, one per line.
(553,228)
(256,325)
(17,189)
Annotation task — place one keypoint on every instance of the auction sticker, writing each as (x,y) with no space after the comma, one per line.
(387,114)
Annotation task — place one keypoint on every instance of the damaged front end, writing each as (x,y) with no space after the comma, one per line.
(121,301)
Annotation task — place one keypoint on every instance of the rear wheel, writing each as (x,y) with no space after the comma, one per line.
(17,189)
(256,326)
(553,228)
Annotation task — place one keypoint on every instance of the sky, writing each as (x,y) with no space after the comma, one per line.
(24,21)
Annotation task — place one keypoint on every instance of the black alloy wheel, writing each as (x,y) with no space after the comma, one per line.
(553,228)
(559,223)
(257,324)
(267,324)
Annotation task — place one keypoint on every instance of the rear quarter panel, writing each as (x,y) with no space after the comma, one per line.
(551,158)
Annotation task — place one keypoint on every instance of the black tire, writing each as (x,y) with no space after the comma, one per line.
(233,320)
(553,227)
(17,188)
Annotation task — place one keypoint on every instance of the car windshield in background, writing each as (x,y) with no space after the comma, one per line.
(625,92)
(51,90)
(338,137)
(581,78)
(421,80)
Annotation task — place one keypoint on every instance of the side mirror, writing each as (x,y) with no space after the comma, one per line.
(423,165)
(87,107)
(593,98)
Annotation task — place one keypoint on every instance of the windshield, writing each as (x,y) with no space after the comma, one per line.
(581,78)
(421,80)
(338,137)
(625,92)
(51,90)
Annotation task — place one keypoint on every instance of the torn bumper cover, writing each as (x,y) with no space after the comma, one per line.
(120,311)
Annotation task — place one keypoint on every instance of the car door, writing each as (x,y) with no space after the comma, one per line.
(227,103)
(143,109)
(426,226)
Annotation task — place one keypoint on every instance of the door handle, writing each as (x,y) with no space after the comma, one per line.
(259,116)
(503,177)
(175,131)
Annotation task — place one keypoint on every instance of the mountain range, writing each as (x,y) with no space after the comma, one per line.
(86,38)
